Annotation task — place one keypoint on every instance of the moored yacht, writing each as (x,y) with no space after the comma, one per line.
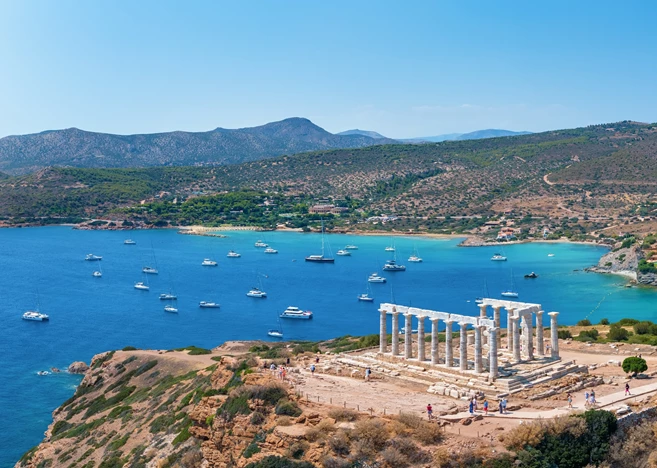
(375,278)
(296,313)
(415,259)
(509,293)
(168,297)
(498,258)
(150,270)
(35,316)
(256,292)
(269,250)
(321,258)
(260,244)
(391,265)
(275,333)
(351,247)
(170,308)
(232,254)
(97,274)
(208,262)
(208,305)
(365,297)
(390,248)
(343,253)
(129,242)
(93,258)
(142,286)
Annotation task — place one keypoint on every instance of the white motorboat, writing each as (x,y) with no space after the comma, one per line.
(260,244)
(551,255)
(269,250)
(391,265)
(232,254)
(93,258)
(343,253)
(256,292)
(170,308)
(208,305)
(209,262)
(129,242)
(509,293)
(275,333)
(296,313)
(142,286)
(351,247)
(150,270)
(390,248)
(498,258)
(375,278)
(415,259)
(97,274)
(365,298)
(168,297)
(35,316)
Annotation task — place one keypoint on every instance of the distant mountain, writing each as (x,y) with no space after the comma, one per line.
(77,148)
(477,135)
(368,133)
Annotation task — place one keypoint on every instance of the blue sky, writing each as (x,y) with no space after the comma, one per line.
(401,68)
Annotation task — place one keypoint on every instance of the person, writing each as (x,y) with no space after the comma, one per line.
(504,402)
(368,371)
(283,374)
(312,370)
(288,361)
(486,407)
(501,407)
(317,360)
(272,368)
(474,403)
(627,389)
(586,398)
(429,411)
(570,401)
(471,407)
(264,365)
(593,398)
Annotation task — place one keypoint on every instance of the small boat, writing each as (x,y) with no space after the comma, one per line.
(168,297)
(260,244)
(93,258)
(498,258)
(551,255)
(390,248)
(509,293)
(208,305)
(129,242)
(391,265)
(343,253)
(150,270)
(142,286)
(208,262)
(531,275)
(402,330)
(35,316)
(296,313)
(415,259)
(255,292)
(321,258)
(269,250)
(375,278)
(43,372)
(97,274)
(479,300)
(170,308)
(365,297)
(351,247)
(275,333)
(232,254)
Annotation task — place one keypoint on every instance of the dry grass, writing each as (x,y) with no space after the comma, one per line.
(393,458)
(343,414)
(339,443)
(372,432)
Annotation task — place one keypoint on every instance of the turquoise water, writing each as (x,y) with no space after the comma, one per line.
(91,315)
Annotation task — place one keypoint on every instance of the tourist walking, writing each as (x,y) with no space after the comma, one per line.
(570,401)
(368,371)
(429,411)
(312,370)
(627,389)
(593,402)
(486,407)
(504,403)
(471,407)
(586,399)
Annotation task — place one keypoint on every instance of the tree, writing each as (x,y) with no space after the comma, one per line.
(634,364)
(617,333)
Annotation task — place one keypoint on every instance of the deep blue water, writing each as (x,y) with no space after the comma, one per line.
(91,315)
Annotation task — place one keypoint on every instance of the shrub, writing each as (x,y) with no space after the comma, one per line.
(617,333)
(339,443)
(410,450)
(129,348)
(624,322)
(145,367)
(343,414)
(273,461)
(634,364)
(251,450)
(604,321)
(372,432)
(393,458)
(428,433)
(584,323)
(333,462)
(564,334)
(410,420)
(588,335)
(270,394)
(288,408)
(234,405)
(258,418)
(642,328)
(297,449)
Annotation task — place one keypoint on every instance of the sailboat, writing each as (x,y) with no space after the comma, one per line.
(366,297)
(321,258)
(392,265)
(98,273)
(257,291)
(415,258)
(391,247)
(143,285)
(510,292)
(35,315)
(276,332)
(480,300)
(149,269)
(170,308)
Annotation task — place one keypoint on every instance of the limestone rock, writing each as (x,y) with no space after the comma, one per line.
(78,367)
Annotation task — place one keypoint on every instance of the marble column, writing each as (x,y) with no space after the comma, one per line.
(434,341)
(478,361)
(383,337)
(449,350)
(408,337)
(554,333)
(496,319)
(482,314)
(395,333)
(516,339)
(529,337)
(420,339)
(540,348)
(509,328)
(463,349)
(492,353)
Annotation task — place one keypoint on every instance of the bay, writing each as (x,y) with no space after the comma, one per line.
(91,315)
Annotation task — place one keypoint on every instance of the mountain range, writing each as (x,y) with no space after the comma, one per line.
(476,135)
(73,147)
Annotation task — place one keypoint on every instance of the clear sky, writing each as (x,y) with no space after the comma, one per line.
(403,68)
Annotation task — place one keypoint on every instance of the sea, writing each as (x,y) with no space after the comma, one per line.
(44,268)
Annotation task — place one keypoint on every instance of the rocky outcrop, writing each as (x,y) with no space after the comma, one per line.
(78,367)
(622,262)
(649,279)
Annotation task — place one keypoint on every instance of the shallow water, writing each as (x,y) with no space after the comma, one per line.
(90,315)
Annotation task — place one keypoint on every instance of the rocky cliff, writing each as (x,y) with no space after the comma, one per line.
(622,262)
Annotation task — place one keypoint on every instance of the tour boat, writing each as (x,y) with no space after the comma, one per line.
(275,333)
(365,297)
(269,250)
(255,292)
(321,258)
(93,258)
(296,313)
(232,254)
(415,259)
(97,274)
(260,244)
(509,293)
(375,278)
(343,253)
(208,262)
(168,297)
(351,247)
(208,305)
(391,265)
(35,316)
(129,242)
(170,308)
(142,286)
(498,258)
(150,270)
